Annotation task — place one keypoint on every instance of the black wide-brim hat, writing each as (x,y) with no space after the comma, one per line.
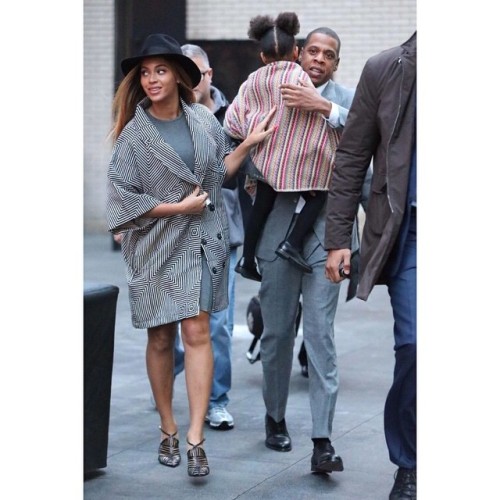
(165,46)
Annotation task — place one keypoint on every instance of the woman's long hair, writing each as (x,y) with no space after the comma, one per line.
(130,92)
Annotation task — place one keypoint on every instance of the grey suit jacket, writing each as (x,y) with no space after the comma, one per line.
(342,96)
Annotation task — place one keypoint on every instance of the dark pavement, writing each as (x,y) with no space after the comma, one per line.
(241,466)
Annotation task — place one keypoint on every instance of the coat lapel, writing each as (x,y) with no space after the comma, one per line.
(162,150)
(202,142)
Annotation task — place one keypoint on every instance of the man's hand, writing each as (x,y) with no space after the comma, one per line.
(333,261)
(304,97)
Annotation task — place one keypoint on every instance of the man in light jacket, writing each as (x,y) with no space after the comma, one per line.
(283,284)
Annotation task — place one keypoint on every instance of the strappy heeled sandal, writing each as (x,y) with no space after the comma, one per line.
(197,460)
(168,452)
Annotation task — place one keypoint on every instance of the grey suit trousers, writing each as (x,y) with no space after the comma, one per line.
(281,288)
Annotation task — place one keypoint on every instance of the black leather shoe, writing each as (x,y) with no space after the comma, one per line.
(324,459)
(405,485)
(302,357)
(247,270)
(288,252)
(277,437)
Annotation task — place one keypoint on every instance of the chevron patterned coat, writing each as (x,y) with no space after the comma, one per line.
(163,255)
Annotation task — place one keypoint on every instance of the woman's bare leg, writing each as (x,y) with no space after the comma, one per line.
(160,367)
(198,362)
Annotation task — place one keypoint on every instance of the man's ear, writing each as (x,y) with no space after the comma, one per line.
(300,54)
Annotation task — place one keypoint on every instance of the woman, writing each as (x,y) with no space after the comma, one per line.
(169,160)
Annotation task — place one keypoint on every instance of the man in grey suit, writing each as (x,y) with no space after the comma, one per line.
(283,283)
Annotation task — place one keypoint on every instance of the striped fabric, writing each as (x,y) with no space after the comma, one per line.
(163,255)
(300,155)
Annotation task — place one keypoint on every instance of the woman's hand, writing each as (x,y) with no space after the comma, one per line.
(234,160)
(194,203)
(260,132)
(118,238)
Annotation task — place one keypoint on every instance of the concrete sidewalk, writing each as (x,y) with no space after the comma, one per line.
(241,466)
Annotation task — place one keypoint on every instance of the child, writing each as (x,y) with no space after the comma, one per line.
(300,155)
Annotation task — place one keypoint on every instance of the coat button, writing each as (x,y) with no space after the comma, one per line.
(214,270)
(203,241)
(223,265)
(219,236)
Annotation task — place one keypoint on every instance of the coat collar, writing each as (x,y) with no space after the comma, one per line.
(166,153)
(410,45)
(332,91)
(409,79)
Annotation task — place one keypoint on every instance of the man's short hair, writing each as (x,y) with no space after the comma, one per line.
(190,50)
(326,31)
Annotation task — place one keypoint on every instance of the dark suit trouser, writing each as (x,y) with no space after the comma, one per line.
(400,415)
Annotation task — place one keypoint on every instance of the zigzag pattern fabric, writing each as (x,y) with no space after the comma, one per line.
(300,155)
(163,256)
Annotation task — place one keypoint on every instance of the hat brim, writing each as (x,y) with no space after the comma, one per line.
(185,62)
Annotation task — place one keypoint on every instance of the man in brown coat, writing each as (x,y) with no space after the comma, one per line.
(381,126)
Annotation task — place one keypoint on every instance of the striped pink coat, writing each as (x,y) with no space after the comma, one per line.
(299,156)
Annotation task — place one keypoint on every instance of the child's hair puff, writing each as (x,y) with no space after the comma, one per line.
(276,36)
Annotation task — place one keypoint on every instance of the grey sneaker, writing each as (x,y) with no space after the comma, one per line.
(219,418)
